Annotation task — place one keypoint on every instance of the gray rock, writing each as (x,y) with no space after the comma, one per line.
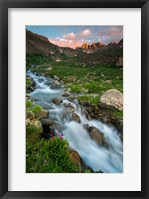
(43,114)
(56,101)
(112,99)
(97,136)
(46,122)
(76,117)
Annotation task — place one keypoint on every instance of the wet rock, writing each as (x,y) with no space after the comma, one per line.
(112,99)
(71,98)
(56,77)
(76,117)
(30,84)
(56,101)
(69,107)
(56,127)
(74,156)
(97,136)
(55,84)
(46,122)
(82,103)
(66,94)
(86,126)
(119,125)
(43,114)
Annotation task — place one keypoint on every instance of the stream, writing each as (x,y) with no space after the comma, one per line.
(108,160)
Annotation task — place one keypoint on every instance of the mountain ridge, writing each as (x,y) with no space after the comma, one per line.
(95,53)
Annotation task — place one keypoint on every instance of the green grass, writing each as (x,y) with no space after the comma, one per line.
(118,114)
(36,59)
(28,82)
(31,107)
(90,78)
(49,156)
(90,99)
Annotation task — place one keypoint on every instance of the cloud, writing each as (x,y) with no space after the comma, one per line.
(70,36)
(104,34)
(66,42)
(86,33)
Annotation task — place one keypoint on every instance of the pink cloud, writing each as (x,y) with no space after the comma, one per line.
(66,43)
(86,33)
(70,36)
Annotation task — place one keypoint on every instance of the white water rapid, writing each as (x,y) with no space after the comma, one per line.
(108,160)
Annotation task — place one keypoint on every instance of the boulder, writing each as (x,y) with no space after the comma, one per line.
(43,114)
(35,123)
(66,94)
(76,117)
(56,101)
(55,84)
(112,99)
(97,136)
(69,107)
(46,122)
(74,156)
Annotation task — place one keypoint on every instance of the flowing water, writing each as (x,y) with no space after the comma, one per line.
(109,160)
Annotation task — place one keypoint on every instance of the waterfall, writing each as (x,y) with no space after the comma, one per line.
(108,159)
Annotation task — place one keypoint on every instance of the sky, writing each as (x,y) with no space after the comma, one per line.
(76,36)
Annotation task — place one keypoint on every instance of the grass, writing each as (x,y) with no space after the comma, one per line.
(31,107)
(90,99)
(118,114)
(92,79)
(36,59)
(49,156)
(28,82)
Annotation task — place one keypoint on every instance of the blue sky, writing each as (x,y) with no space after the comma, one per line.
(75,36)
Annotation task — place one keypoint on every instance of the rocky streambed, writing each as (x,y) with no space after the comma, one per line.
(98,144)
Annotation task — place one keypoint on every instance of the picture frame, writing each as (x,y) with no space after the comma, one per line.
(4,123)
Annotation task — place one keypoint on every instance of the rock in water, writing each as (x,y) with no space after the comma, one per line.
(74,156)
(57,101)
(97,136)
(43,114)
(112,99)
(46,122)
(76,117)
